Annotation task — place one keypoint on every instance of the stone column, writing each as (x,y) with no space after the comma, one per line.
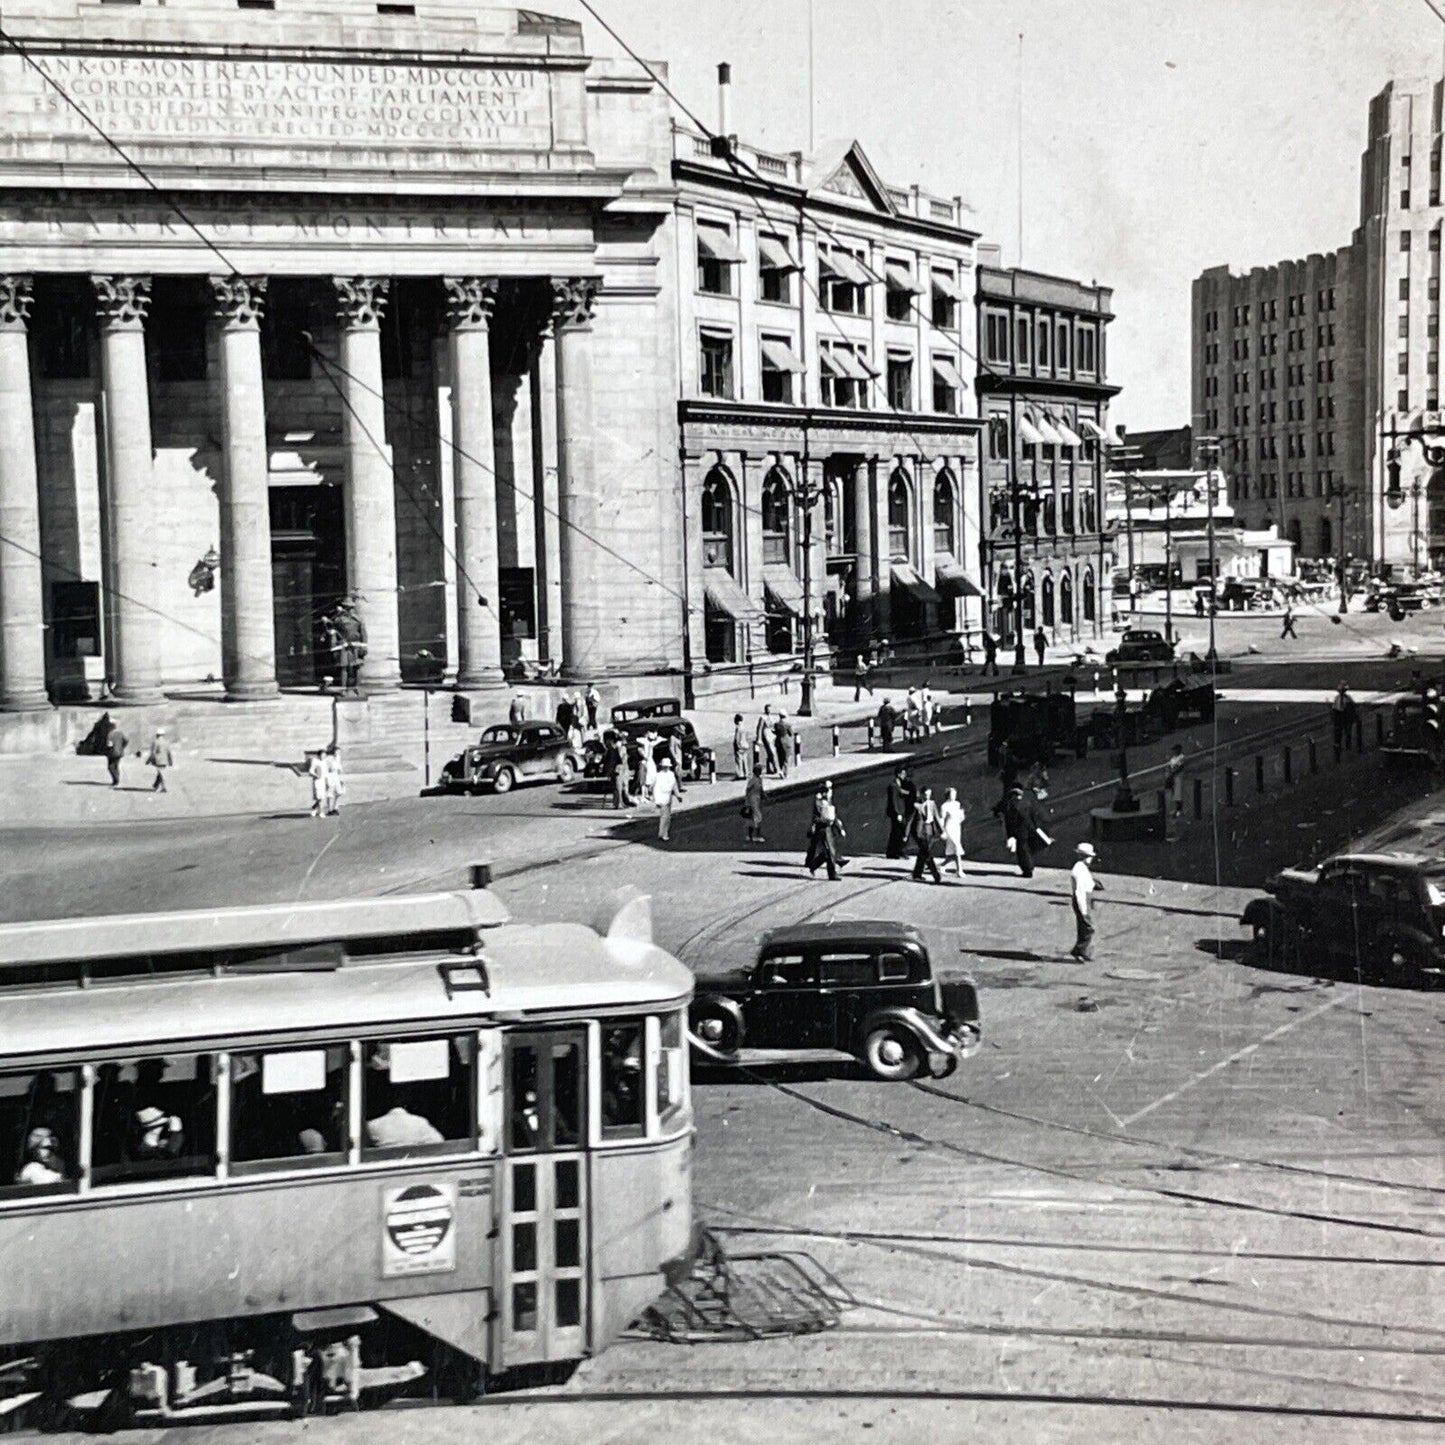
(583,621)
(863,549)
(543,373)
(22,605)
(470,303)
(370,490)
(248,619)
(134,661)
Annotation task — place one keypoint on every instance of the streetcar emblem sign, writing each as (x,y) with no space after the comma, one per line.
(419,1233)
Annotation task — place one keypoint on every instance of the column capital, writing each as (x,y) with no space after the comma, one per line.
(360,300)
(573,300)
(237,301)
(16,295)
(471,300)
(122,301)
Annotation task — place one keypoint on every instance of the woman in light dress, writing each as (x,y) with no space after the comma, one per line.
(647,764)
(951,815)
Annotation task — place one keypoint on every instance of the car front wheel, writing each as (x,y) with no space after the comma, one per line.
(1404,964)
(715,1027)
(891,1053)
(504,781)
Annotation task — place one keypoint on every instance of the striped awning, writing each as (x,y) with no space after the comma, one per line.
(901,278)
(947,372)
(950,578)
(845,266)
(717,245)
(1029,434)
(779,355)
(773,255)
(904,577)
(781,583)
(944,285)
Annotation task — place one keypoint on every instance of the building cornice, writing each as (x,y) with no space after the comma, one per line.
(824,420)
(990,384)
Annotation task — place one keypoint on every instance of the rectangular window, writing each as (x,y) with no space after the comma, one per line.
(1404,240)
(779,364)
(1000,445)
(775,270)
(1062,335)
(1404,325)
(75,618)
(1404,288)
(154,1118)
(1022,347)
(945,299)
(842,281)
(946,386)
(418,1096)
(716,257)
(1402,363)
(900,382)
(1088,342)
(996,337)
(622,1081)
(1045,337)
(716,364)
(290,1107)
(845,376)
(39,1132)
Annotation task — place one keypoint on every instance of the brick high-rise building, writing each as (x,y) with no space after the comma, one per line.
(1307,367)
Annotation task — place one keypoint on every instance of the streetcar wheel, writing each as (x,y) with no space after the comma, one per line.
(891,1054)
(716,1028)
(504,781)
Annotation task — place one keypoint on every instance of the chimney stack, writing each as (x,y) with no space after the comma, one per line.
(724,144)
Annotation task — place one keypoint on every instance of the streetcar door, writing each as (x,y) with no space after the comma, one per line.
(542,1292)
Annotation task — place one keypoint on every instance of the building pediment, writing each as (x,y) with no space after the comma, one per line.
(844,172)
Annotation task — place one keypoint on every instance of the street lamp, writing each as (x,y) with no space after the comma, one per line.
(806,496)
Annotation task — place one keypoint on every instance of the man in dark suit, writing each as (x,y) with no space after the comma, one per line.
(1019,811)
(899,810)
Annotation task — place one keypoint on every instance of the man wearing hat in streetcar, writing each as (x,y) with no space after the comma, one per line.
(1082,886)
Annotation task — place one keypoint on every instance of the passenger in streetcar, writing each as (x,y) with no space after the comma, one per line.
(43,1164)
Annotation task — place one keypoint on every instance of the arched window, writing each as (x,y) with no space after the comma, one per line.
(777,517)
(1066,600)
(1047,600)
(1089,594)
(1031,617)
(717,520)
(833,517)
(944,512)
(899,532)
(1327,537)
(1051,515)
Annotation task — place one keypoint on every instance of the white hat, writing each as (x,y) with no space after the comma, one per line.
(666,763)
(1085,850)
(149,1117)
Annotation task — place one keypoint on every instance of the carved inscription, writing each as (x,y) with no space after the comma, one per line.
(165,98)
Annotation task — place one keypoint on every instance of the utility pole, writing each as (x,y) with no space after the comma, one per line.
(806,499)
(995,426)
(1209,454)
(1168,566)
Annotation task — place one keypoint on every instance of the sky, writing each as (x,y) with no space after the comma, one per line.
(1159,137)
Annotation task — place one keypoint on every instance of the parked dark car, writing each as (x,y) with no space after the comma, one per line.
(1380,914)
(1140,645)
(633,720)
(860,987)
(506,755)
(1416,738)
(1034,726)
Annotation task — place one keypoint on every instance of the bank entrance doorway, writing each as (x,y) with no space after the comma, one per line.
(308,578)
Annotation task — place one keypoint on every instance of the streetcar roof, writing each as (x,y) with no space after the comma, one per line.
(283,925)
(532,972)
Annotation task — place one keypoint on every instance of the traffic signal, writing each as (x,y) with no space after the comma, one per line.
(1393,492)
(1431,703)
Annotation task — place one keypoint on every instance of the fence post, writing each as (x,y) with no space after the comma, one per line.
(1314,757)
(968,713)
(1288,767)
(1229,787)
(1259,772)
(752,683)
(870,734)
(835,742)
(712,768)
(1198,798)
(797,749)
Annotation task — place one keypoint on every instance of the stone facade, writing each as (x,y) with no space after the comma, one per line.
(1044,393)
(829,432)
(404,336)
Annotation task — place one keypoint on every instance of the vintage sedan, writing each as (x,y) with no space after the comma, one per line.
(1376,915)
(1141,645)
(508,754)
(859,987)
(633,721)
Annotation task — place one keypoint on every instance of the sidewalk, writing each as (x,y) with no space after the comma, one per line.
(59,790)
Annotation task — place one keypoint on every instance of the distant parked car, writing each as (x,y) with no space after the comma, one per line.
(1138,645)
(1377,913)
(859,987)
(506,755)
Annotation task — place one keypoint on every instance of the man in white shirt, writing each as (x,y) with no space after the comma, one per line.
(1082,885)
(664,790)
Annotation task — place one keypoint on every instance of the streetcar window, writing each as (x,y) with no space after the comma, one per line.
(622,1082)
(290,1106)
(567,1096)
(671,1061)
(39,1129)
(418,1096)
(154,1118)
(524,1117)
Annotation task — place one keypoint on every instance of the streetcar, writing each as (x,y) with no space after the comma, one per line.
(289,1159)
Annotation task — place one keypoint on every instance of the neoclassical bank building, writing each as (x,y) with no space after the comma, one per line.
(424,307)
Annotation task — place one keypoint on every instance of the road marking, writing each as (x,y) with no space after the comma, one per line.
(1283,1029)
